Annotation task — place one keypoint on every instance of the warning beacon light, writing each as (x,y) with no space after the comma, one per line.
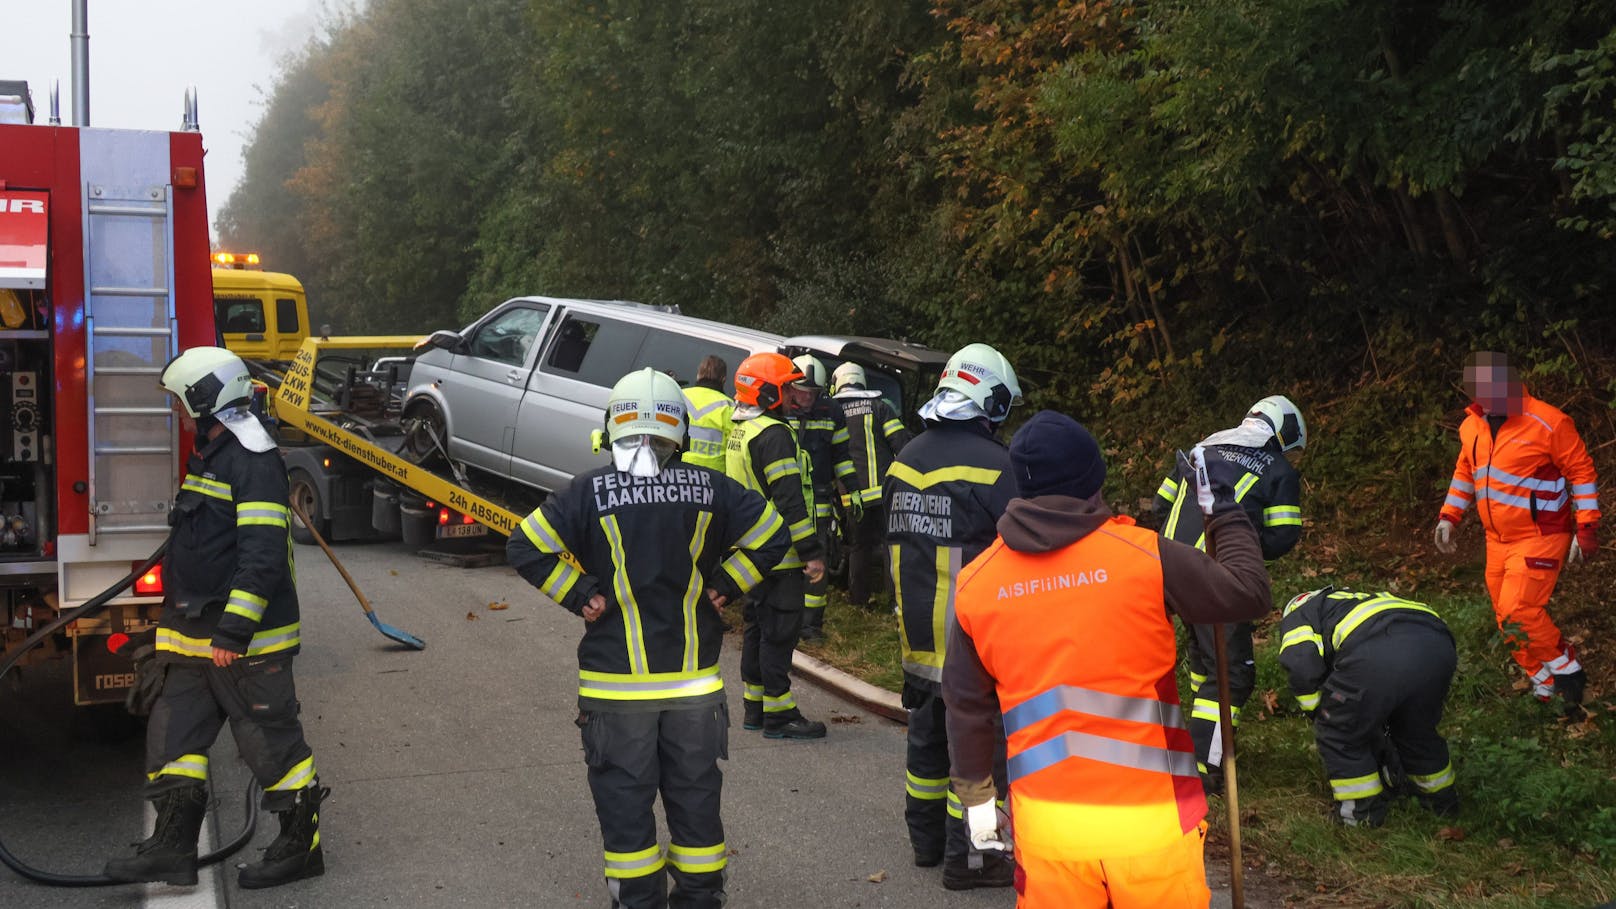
(235,260)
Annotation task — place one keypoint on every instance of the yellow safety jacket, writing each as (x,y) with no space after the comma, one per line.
(710,412)
(763,455)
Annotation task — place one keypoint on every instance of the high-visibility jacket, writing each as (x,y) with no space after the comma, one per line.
(1082,655)
(762,454)
(1264,483)
(709,413)
(1528,477)
(1318,631)
(876,435)
(228,572)
(652,546)
(944,494)
(822,432)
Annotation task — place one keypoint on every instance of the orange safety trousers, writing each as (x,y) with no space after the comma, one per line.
(1520,577)
(1173,877)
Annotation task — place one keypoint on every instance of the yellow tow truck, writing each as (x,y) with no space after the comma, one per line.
(261,315)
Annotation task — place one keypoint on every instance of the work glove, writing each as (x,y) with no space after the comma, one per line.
(1211,496)
(1444,537)
(988,827)
(1584,544)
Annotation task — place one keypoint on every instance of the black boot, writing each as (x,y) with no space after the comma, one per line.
(1572,686)
(169,854)
(752,715)
(996,871)
(792,725)
(295,854)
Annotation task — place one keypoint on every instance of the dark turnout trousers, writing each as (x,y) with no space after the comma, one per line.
(866,555)
(257,696)
(632,757)
(932,810)
(1203,720)
(773,614)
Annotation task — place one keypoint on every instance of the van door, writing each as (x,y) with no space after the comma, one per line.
(566,397)
(483,386)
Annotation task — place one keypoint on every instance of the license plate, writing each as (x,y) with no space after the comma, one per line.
(461,530)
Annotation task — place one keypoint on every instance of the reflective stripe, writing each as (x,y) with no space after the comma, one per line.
(245,604)
(695,592)
(1358,787)
(1281,515)
(784,702)
(740,569)
(275,640)
(207,487)
(559,582)
(644,863)
(1302,635)
(1244,486)
(1461,486)
(1497,475)
(1170,530)
(981,475)
(1493,495)
(708,436)
(301,776)
(1365,611)
(1456,502)
(891,428)
(698,859)
(266,513)
(650,686)
(270,640)
(1204,709)
(1310,701)
(803,529)
(955,809)
(927,789)
(768,524)
(780,469)
(1102,749)
(539,532)
(813,601)
(1564,664)
(1433,782)
(1168,489)
(1094,703)
(710,408)
(627,606)
(1197,679)
(1584,489)
(194,766)
(752,692)
(845,469)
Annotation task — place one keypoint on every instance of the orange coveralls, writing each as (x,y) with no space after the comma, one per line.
(1533,484)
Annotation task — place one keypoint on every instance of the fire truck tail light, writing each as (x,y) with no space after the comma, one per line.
(466,519)
(150,583)
(443,515)
(185,178)
(116,642)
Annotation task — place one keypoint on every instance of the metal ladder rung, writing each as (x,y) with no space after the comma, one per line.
(128,371)
(153,209)
(112,290)
(132,450)
(133,411)
(132,528)
(101,331)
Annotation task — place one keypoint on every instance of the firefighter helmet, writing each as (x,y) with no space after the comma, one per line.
(812,369)
(1301,598)
(207,381)
(983,375)
(761,379)
(848,374)
(1282,415)
(646,403)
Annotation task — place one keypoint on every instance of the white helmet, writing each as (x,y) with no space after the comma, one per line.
(207,380)
(848,374)
(646,403)
(983,375)
(1286,420)
(812,369)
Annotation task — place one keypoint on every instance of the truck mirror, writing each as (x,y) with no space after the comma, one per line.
(444,338)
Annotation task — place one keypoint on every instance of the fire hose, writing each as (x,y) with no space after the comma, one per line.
(93,607)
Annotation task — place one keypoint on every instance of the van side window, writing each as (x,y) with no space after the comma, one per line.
(237,314)
(593,349)
(508,337)
(286,316)
(677,355)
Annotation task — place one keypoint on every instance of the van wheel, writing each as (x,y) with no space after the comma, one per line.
(422,422)
(306,494)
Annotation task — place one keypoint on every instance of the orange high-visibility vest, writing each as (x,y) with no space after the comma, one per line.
(1531,479)
(1082,653)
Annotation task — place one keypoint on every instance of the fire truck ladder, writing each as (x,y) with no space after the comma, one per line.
(130,327)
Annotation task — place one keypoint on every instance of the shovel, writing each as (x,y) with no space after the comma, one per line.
(403,637)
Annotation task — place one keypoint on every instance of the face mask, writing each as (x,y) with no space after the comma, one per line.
(949,404)
(636,456)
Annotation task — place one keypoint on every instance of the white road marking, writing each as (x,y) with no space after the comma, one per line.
(208,892)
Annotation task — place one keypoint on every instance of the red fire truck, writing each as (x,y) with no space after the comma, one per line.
(104,276)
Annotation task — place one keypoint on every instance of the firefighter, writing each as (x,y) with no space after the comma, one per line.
(823,434)
(943,494)
(1537,494)
(1371,669)
(1061,640)
(876,437)
(227,636)
(660,547)
(1251,458)
(763,455)
(710,410)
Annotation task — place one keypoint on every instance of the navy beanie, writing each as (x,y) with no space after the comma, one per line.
(1053,455)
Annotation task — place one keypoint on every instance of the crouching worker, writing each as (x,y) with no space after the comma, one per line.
(1063,625)
(1372,668)
(647,549)
(228,632)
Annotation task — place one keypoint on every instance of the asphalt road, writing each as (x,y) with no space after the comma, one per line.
(456,772)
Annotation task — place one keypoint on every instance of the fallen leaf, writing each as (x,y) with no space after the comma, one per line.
(393,572)
(1451,834)
(1270,701)
(471,616)
(1521,684)
(845,720)
(1506,843)
(498,606)
(877,877)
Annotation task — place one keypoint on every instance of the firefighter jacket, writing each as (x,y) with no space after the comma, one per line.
(1319,630)
(763,455)
(709,411)
(823,434)
(876,435)
(1061,633)
(1530,477)
(1264,483)
(228,575)
(943,494)
(652,546)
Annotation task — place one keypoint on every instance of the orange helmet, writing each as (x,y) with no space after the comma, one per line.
(760,380)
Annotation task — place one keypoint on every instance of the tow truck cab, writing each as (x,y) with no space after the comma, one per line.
(261,315)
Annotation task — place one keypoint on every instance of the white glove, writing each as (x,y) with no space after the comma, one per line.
(1575,555)
(1444,538)
(982,823)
